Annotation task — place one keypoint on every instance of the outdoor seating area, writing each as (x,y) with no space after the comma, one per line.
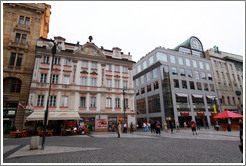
(19,133)
(48,133)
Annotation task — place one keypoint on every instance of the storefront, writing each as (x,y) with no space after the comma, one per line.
(112,123)
(9,113)
(185,118)
(88,122)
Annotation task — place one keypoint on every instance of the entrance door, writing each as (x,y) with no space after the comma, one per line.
(183,119)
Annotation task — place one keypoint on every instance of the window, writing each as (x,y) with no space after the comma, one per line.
(239,101)
(82,102)
(108,103)
(172,58)
(125,69)
(117,68)
(203,75)
(109,83)
(64,101)
(66,79)
(207,66)
(125,83)
(184,84)
(13,59)
(228,99)
(40,101)
(187,61)
(142,79)
(11,85)
(20,37)
(139,68)
(23,39)
(189,73)
(196,74)
(205,85)
(174,71)
(143,90)
(23,20)
(192,85)
(43,78)
(67,62)
(182,72)
(45,59)
(56,61)
(94,65)
(17,37)
(151,60)
(126,103)
(117,103)
(212,87)
(210,76)
(149,88)
(84,81)
(233,101)
(155,73)
(194,63)
(93,102)
(137,81)
(156,85)
(84,64)
(144,65)
(161,56)
(54,79)
(181,62)
(52,101)
(148,75)
(117,83)
(176,83)
(199,86)
(93,82)
(201,65)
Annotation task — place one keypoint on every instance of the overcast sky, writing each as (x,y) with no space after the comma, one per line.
(139,27)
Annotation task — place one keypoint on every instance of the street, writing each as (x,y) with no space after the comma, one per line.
(208,146)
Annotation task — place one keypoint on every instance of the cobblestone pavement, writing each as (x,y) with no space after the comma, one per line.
(209,146)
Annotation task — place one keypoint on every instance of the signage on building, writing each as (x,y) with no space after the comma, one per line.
(185,113)
(200,113)
(101,123)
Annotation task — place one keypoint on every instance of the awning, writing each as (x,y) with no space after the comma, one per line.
(211,97)
(182,94)
(197,96)
(39,115)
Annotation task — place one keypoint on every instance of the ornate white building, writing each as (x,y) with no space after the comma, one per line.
(87,86)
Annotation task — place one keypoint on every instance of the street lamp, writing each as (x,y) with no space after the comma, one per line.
(55,48)
(124,105)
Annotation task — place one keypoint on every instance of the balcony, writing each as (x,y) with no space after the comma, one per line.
(18,46)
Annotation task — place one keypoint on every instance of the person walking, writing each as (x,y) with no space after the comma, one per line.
(125,128)
(118,130)
(165,127)
(131,128)
(158,127)
(153,127)
(193,127)
(185,125)
(171,127)
(177,127)
(197,125)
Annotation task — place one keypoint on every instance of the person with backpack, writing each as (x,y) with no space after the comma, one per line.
(193,127)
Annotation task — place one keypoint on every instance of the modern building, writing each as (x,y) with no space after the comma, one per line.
(23,24)
(87,86)
(228,72)
(175,85)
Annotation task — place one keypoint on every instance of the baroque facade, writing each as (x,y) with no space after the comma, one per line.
(175,85)
(23,24)
(87,86)
(228,72)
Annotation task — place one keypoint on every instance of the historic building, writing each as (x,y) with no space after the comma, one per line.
(175,85)
(228,74)
(23,24)
(87,86)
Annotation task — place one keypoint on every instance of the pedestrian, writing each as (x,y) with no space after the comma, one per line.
(144,127)
(113,128)
(197,125)
(185,125)
(125,128)
(149,127)
(171,127)
(177,127)
(193,127)
(131,128)
(118,130)
(158,126)
(229,125)
(165,127)
(153,127)
(240,125)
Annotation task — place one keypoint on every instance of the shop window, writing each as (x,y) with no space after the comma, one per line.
(156,85)
(176,83)
(11,85)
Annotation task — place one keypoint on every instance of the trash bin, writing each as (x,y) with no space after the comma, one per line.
(34,142)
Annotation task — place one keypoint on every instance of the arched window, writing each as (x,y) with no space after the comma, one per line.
(11,85)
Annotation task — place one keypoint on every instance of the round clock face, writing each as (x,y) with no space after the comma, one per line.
(195,44)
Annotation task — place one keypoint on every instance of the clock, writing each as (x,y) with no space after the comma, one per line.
(195,44)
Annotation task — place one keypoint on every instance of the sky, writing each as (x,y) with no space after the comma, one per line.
(139,27)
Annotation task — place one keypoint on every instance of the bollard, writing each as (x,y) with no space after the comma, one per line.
(34,142)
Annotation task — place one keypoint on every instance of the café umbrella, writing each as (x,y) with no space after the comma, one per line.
(228,114)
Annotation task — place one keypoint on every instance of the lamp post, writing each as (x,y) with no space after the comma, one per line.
(124,104)
(55,48)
